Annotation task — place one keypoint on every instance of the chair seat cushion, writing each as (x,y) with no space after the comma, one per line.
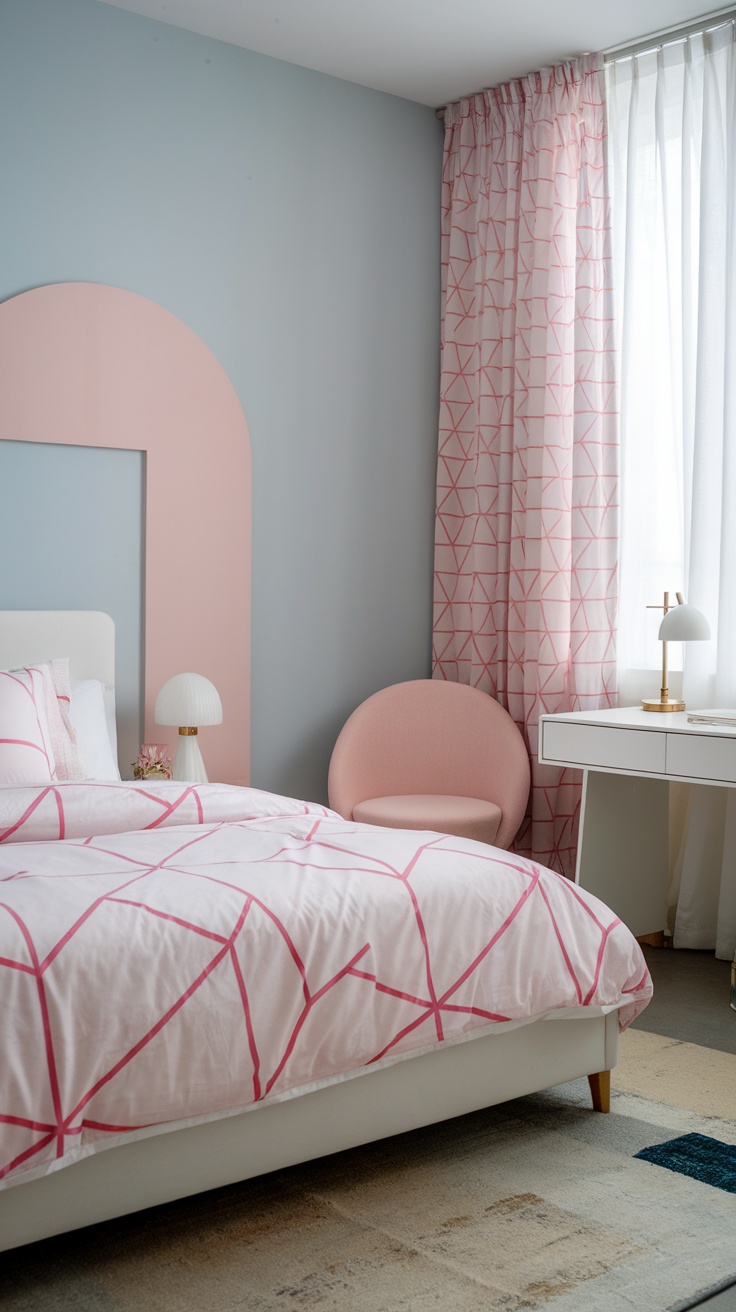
(466,817)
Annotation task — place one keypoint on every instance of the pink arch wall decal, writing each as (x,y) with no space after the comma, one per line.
(83,364)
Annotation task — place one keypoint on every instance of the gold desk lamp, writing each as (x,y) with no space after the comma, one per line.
(681,623)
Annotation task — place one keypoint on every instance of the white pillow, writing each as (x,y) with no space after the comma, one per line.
(108,696)
(89,717)
(55,677)
(26,752)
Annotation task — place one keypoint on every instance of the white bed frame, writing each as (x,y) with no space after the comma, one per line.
(417,1091)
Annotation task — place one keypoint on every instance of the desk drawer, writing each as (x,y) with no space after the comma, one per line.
(603,748)
(698,757)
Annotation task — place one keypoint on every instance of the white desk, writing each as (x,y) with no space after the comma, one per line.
(628,756)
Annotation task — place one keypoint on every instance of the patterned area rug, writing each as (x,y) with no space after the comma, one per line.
(699,1156)
(539,1203)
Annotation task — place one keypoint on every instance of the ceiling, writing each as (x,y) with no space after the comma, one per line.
(431,51)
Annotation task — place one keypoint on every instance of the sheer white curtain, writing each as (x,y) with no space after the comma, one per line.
(672,125)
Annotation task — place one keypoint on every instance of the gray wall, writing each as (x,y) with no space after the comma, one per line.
(93,557)
(292,221)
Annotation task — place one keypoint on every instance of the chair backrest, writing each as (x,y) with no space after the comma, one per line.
(431,736)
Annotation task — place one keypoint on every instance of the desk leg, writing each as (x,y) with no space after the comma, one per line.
(623,847)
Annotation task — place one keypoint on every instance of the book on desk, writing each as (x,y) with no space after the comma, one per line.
(724,717)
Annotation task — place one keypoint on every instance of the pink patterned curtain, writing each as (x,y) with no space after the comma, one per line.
(527,517)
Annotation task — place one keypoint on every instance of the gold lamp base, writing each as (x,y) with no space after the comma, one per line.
(662,704)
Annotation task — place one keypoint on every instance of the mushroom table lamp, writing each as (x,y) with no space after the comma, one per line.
(188,700)
(681,623)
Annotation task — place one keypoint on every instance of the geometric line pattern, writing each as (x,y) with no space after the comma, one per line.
(181,951)
(526,537)
(26,750)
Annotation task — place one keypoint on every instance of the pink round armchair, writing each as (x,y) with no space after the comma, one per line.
(428,754)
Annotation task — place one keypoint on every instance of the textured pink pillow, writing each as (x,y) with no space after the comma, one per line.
(69,762)
(26,753)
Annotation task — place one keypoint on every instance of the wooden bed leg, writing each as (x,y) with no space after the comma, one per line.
(656,940)
(600,1090)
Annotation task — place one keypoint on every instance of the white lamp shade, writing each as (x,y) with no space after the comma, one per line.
(188,699)
(684,624)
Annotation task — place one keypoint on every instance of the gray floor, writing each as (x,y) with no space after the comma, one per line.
(691,992)
(691,1003)
(723,1302)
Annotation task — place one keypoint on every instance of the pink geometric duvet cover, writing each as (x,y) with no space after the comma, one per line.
(171,951)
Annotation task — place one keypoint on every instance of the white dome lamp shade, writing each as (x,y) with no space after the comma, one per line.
(684,623)
(188,701)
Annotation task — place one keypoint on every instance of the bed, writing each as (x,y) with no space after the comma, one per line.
(203,983)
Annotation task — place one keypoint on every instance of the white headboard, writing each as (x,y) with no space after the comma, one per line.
(87,637)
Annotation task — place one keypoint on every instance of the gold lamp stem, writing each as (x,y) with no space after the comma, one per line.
(665,690)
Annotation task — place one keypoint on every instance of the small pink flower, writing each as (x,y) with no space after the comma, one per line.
(154,760)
